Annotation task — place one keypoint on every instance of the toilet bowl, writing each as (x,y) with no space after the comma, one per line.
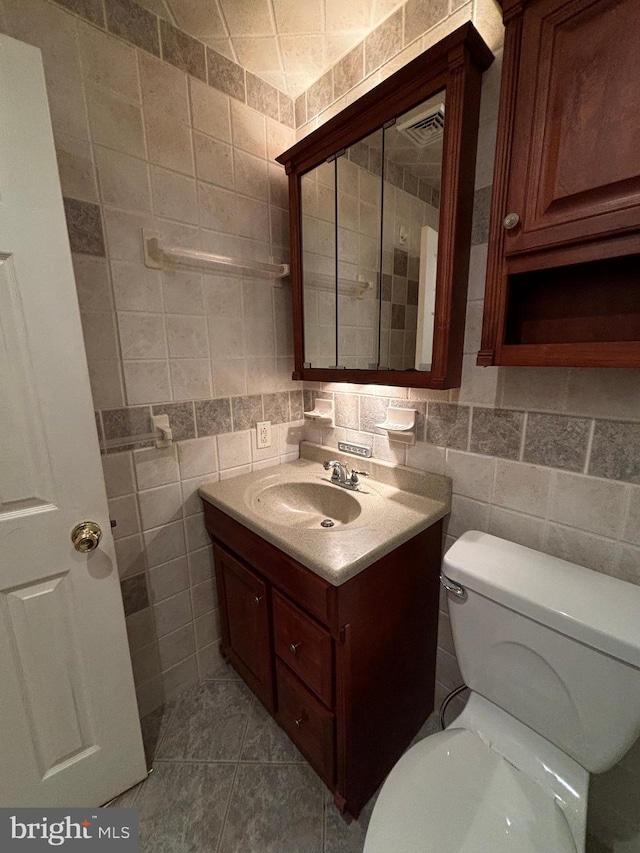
(551,652)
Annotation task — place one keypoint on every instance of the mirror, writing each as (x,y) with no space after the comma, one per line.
(381,205)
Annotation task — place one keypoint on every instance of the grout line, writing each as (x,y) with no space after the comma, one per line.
(587,460)
(231,790)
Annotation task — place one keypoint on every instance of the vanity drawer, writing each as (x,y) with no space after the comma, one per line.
(306,721)
(304,646)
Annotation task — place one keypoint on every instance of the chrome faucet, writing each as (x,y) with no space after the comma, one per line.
(341,476)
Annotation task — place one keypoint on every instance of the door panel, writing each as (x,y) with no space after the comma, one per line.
(69,728)
(576,163)
(246,598)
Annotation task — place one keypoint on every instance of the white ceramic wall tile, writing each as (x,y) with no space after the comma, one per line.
(472,475)
(467,514)
(165,543)
(160,506)
(172,613)
(522,487)
(427,457)
(582,548)
(190,378)
(146,382)
(92,283)
(197,457)
(191,501)
(130,555)
(118,474)
(136,287)
(155,467)
(588,503)
(196,532)
(123,180)
(524,529)
(125,513)
(210,110)
(234,449)
(187,336)
(174,196)
(200,565)
(176,647)
(180,677)
(142,335)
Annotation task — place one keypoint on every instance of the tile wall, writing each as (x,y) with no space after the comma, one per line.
(184,145)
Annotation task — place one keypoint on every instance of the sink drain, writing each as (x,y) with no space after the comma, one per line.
(327,523)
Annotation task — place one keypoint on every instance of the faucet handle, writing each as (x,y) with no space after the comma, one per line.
(335,474)
(354,476)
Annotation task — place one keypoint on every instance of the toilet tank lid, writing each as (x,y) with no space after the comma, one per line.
(596,609)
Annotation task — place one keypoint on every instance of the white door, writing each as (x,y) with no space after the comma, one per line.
(69,729)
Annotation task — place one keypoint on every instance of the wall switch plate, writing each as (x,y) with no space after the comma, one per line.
(263,434)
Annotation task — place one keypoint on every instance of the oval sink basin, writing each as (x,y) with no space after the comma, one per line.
(306,504)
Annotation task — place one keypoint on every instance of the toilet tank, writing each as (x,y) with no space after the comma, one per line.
(554,644)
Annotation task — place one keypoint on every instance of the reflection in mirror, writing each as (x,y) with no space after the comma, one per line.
(359,224)
(318,196)
(412,174)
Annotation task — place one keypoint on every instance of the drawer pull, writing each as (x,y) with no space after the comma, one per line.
(258,599)
(300,720)
(293,647)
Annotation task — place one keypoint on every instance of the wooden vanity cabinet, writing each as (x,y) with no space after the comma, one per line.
(564,244)
(347,671)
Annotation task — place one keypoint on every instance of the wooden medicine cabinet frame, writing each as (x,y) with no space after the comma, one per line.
(455,64)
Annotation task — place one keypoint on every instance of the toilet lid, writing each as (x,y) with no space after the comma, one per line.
(451,793)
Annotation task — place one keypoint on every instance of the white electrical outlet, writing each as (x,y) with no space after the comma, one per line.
(263,434)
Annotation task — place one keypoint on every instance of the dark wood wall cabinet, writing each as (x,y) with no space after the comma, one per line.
(361,134)
(347,671)
(563,272)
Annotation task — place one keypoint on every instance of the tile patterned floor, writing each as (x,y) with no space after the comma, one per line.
(227,779)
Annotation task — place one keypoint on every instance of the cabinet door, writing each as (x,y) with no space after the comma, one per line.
(575,164)
(245,615)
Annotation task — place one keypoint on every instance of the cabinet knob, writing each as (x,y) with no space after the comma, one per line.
(293,647)
(511,220)
(258,599)
(300,721)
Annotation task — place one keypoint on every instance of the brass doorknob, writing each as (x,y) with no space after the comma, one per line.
(86,536)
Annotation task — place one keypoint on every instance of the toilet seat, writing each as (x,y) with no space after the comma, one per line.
(451,793)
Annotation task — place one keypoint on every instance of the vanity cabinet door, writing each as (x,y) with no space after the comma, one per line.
(245,617)
(575,161)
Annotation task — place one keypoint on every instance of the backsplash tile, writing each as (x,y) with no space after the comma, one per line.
(213,416)
(262,97)
(121,423)
(84,225)
(133,23)
(481,213)
(496,432)
(556,441)
(225,75)
(276,407)
(246,411)
(448,426)
(615,452)
(181,419)
(383,43)
(184,52)
(91,10)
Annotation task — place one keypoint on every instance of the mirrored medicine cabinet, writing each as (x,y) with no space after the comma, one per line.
(381,201)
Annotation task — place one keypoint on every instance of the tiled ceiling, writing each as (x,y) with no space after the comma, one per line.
(289,43)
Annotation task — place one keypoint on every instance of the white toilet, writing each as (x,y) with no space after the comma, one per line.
(551,652)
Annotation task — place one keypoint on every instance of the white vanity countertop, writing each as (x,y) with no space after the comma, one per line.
(393,505)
